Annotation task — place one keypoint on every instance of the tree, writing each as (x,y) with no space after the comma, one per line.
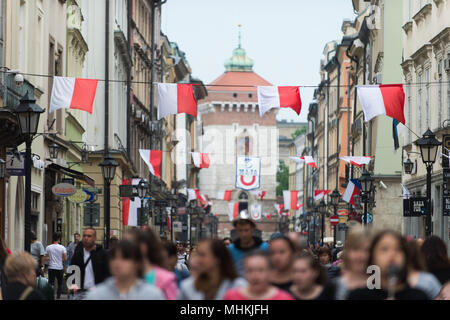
(298,132)
(282,178)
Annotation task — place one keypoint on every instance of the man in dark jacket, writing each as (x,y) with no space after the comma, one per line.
(92,260)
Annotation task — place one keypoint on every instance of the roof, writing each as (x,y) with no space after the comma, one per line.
(241,78)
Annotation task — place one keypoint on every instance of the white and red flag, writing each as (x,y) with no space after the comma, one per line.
(353,188)
(234,210)
(259,193)
(169,221)
(153,160)
(224,195)
(291,200)
(307,159)
(176,98)
(268,215)
(129,207)
(388,99)
(201,160)
(405,192)
(279,207)
(73,93)
(279,97)
(319,194)
(194,194)
(357,161)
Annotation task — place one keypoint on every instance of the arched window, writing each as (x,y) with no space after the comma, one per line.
(243,144)
(243,201)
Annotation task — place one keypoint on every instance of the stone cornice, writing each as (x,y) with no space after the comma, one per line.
(441,40)
(423,13)
(407,27)
(423,54)
(407,66)
(77,43)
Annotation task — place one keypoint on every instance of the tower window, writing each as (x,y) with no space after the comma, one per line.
(250,95)
(234,95)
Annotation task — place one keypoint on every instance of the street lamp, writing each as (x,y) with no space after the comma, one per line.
(408,165)
(322,211)
(2,168)
(335,195)
(108,166)
(53,149)
(142,192)
(366,181)
(428,148)
(28,113)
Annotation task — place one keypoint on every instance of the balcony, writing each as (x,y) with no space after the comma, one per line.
(407,27)
(423,13)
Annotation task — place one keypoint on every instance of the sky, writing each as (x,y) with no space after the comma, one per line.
(285,38)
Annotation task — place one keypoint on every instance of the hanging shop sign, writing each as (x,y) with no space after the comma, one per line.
(446,193)
(415,207)
(64,189)
(248,173)
(15,164)
(78,197)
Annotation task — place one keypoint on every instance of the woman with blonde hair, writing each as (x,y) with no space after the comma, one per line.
(354,263)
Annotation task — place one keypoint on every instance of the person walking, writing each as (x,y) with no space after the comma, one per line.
(310,279)
(20,269)
(282,251)
(92,260)
(71,247)
(434,251)
(257,273)
(126,283)
(217,273)
(245,243)
(57,255)
(180,269)
(38,252)
(389,252)
(3,255)
(354,263)
(182,255)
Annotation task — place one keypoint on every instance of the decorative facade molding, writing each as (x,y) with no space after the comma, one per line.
(423,13)
(423,54)
(407,27)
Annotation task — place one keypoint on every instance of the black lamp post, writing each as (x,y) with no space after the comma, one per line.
(53,149)
(335,195)
(315,211)
(28,113)
(142,192)
(108,166)
(322,211)
(2,168)
(428,148)
(308,222)
(366,181)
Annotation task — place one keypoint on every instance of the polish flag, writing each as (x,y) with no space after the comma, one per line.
(234,210)
(153,160)
(201,160)
(279,97)
(353,188)
(194,194)
(307,159)
(388,99)
(406,194)
(268,216)
(130,208)
(279,207)
(260,194)
(319,194)
(291,200)
(176,98)
(357,161)
(224,195)
(169,221)
(73,93)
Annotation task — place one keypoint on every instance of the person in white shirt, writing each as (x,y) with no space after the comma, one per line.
(57,255)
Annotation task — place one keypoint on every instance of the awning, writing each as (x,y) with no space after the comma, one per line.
(71,173)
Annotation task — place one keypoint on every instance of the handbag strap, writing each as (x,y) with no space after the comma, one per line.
(26,293)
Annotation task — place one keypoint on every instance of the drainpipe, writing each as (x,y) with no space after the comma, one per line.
(106,77)
(325,149)
(355,97)
(337,118)
(364,82)
(129,8)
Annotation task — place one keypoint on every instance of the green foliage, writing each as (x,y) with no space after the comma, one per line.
(282,178)
(298,132)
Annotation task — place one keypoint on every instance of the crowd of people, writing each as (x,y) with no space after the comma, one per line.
(368,266)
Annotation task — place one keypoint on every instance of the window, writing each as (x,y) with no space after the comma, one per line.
(419,104)
(440,93)
(234,95)
(243,145)
(250,95)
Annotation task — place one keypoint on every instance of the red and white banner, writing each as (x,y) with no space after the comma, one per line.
(176,98)
(248,170)
(129,207)
(73,93)
(405,192)
(201,160)
(309,161)
(268,215)
(388,99)
(234,210)
(153,160)
(291,200)
(279,97)
(259,193)
(169,221)
(319,194)
(224,195)
(256,211)
(279,207)
(357,161)
(353,188)
(194,194)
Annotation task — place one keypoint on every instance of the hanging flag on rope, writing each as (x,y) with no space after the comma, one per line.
(319,194)
(255,211)
(291,200)
(153,160)
(258,193)
(353,188)
(279,207)
(73,93)
(388,99)
(169,221)
(279,97)
(307,159)
(194,194)
(357,161)
(234,210)
(129,207)
(395,134)
(175,98)
(201,160)
(268,216)
(224,195)
(405,192)
(248,173)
